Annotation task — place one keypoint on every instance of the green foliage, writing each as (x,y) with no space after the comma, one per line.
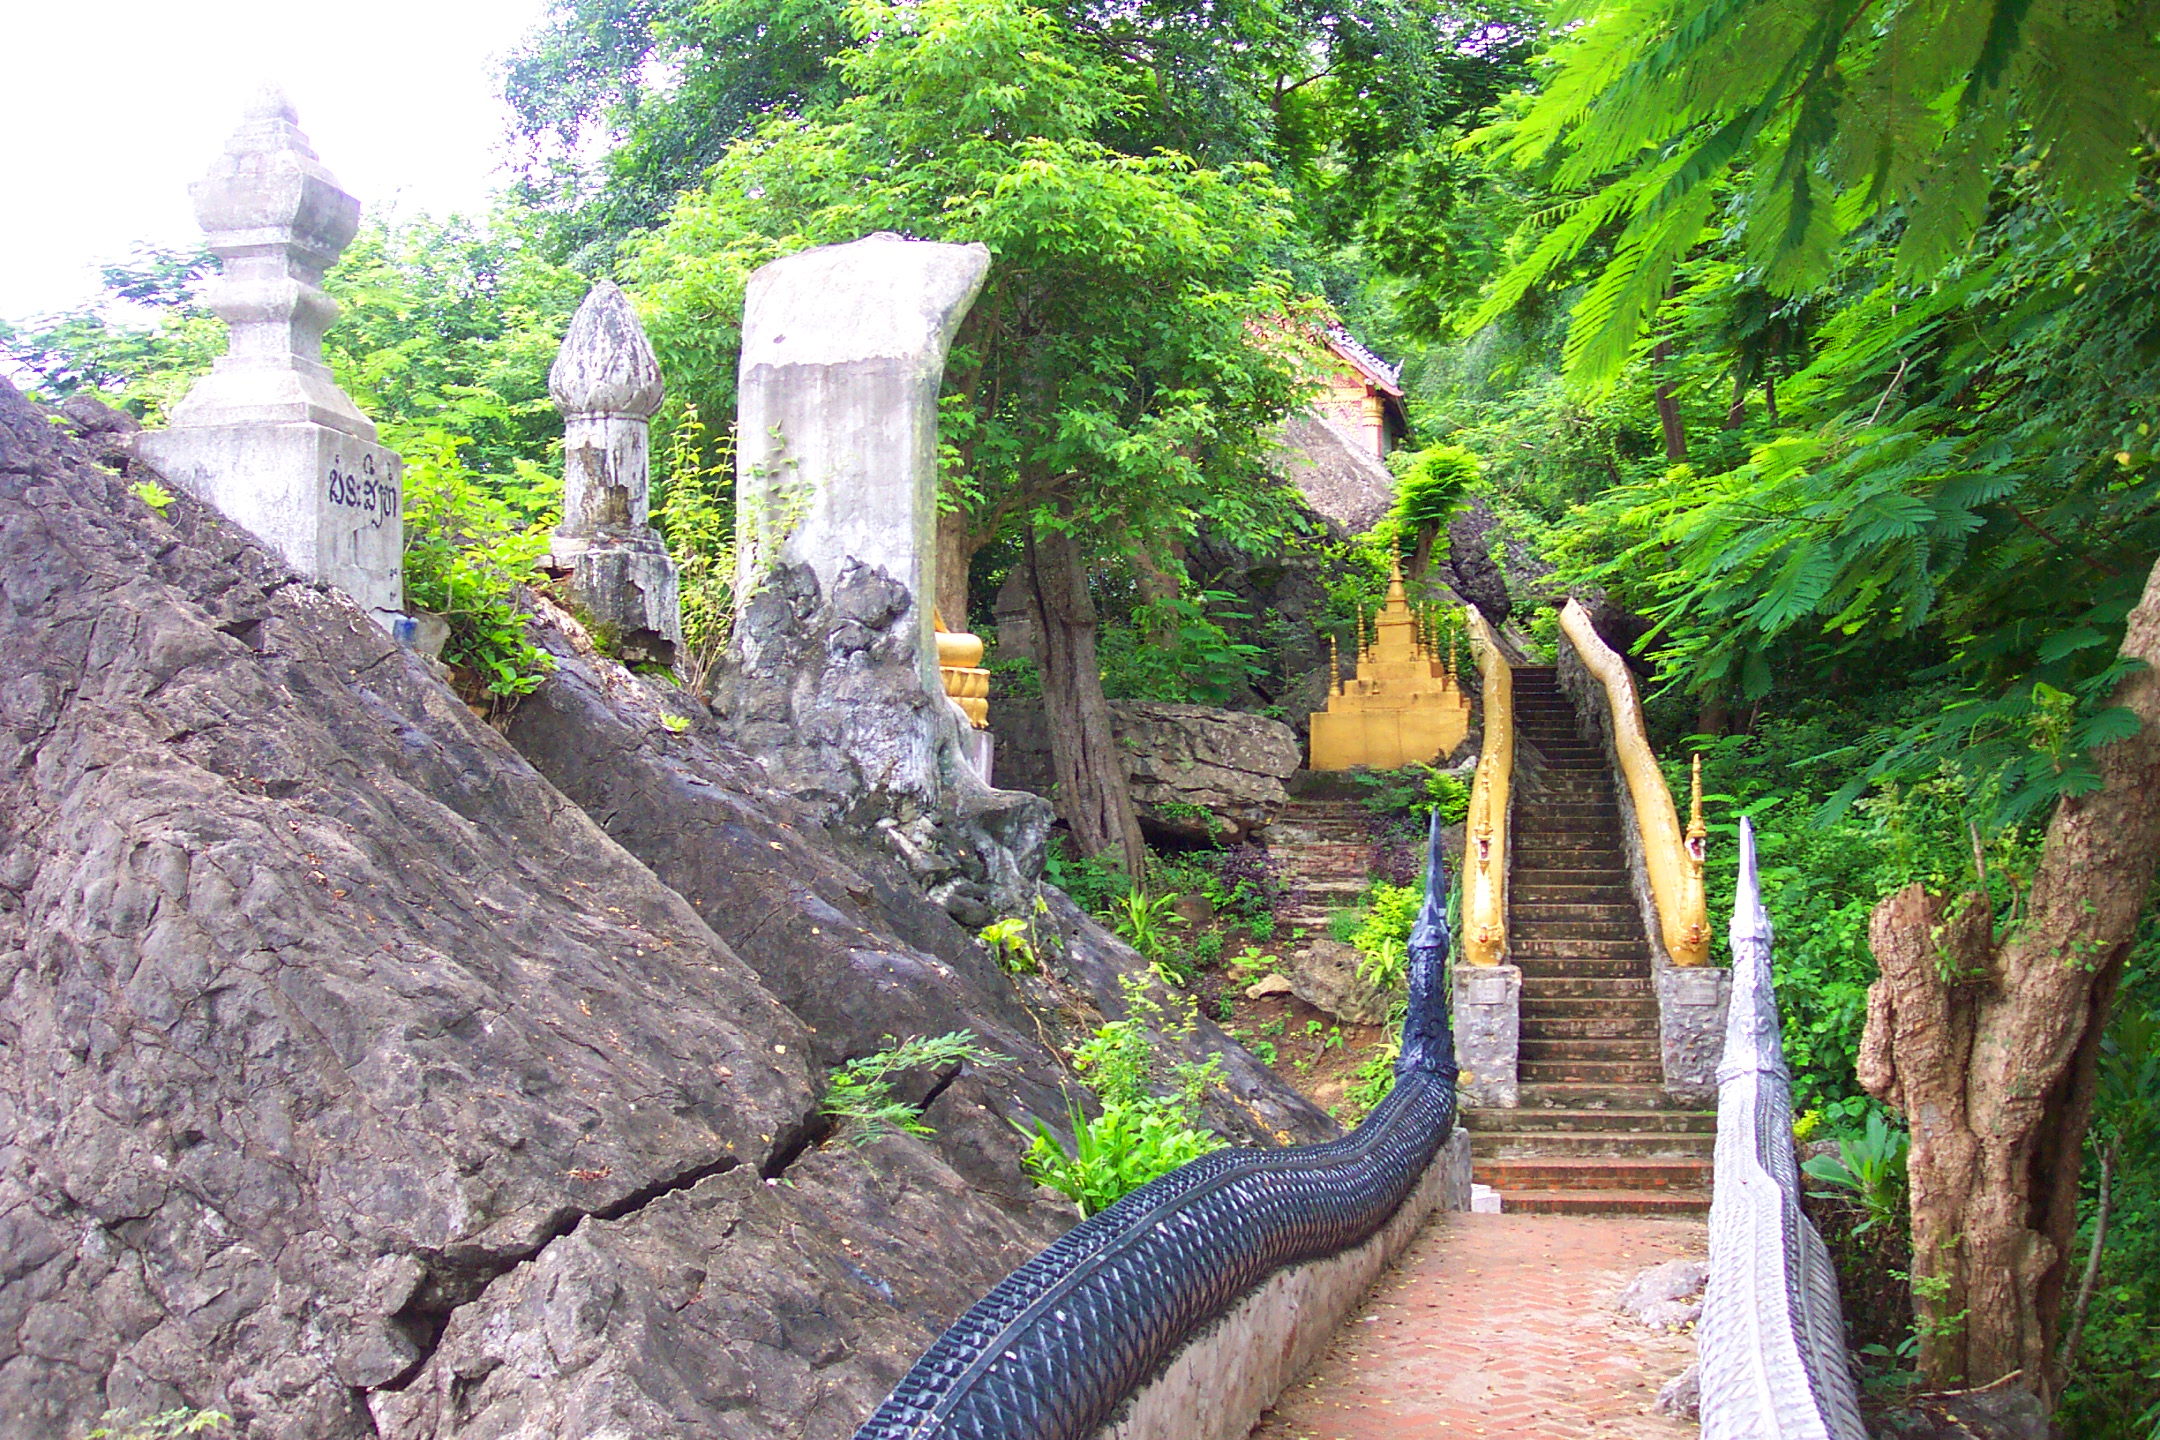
(1108,380)
(1413,792)
(1869,1166)
(1093,883)
(859,1095)
(1434,486)
(1382,937)
(1145,921)
(1177,649)
(1796,124)
(1138,1134)
(1010,944)
(166,1425)
(152,494)
(694,511)
(1373,1081)
(469,546)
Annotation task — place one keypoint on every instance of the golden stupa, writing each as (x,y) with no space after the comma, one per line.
(1404,705)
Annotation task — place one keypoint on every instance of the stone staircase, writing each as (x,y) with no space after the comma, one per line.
(1321,844)
(1595,1132)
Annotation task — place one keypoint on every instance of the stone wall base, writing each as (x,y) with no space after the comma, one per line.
(1216,1387)
(1488,1033)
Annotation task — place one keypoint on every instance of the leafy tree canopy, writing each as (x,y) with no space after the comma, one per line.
(1792,124)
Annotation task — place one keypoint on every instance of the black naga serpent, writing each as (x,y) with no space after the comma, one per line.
(1054,1350)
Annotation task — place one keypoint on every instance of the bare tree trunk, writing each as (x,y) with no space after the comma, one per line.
(1991,1049)
(956,548)
(1736,413)
(1094,795)
(1769,397)
(1668,408)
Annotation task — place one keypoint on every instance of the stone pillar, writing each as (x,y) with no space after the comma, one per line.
(843,355)
(1488,1034)
(606,382)
(267,436)
(832,678)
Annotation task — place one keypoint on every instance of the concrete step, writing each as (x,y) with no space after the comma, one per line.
(1583,967)
(1525,1119)
(1593,1172)
(1542,1026)
(1592,1145)
(1539,928)
(1547,950)
(1549,893)
(1554,1008)
(1541,1049)
(1590,1072)
(1545,909)
(1593,1095)
(1606,1202)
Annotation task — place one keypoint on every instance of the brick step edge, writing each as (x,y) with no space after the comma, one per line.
(1604,1202)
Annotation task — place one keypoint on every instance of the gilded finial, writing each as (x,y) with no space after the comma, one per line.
(1334,664)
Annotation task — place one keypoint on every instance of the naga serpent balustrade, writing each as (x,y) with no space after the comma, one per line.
(1059,1344)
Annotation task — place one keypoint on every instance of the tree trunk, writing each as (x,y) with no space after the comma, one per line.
(956,547)
(1736,413)
(1990,1050)
(1428,536)
(1668,408)
(1094,796)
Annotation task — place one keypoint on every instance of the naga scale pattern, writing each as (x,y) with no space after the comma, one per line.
(1772,1337)
(1059,1344)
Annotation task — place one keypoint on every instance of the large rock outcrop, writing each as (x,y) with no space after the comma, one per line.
(1197,773)
(357,1081)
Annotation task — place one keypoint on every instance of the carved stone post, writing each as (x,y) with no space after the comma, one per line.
(832,677)
(267,436)
(606,382)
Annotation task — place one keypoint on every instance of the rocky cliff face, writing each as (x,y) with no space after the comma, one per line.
(358,1080)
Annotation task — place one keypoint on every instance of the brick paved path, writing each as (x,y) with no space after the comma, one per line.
(1501,1327)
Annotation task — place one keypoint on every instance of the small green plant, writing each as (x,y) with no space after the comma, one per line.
(1225,1008)
(1383,935)
(1274,1028)
(1145,921)
(1206,950)
(675,724)
(469,548)
(1261,927)
(694,510)
(1010,945)
(168,1425)
(1138,1134)
(1263,1050)
(1869,1167)
(152,494)
(1371,1082)
(860,1096)
(1091,881)
(1251,963)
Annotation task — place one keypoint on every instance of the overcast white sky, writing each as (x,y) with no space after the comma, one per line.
(109,109)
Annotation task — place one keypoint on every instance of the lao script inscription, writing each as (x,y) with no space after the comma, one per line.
(362,488)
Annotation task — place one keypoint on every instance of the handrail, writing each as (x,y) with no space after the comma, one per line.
(1771,1337)
(1674,860)
(1059,1344)
(1485,829)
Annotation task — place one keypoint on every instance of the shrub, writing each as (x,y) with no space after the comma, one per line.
(470,544)
(860,1094)
(1138,1134)
(694,511)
